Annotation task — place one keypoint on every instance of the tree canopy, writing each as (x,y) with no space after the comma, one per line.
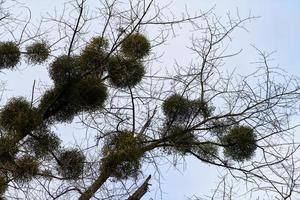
(133,113)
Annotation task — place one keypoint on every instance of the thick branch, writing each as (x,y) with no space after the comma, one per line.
(94,187)
(141,191)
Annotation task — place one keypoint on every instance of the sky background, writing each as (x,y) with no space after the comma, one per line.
(277,29)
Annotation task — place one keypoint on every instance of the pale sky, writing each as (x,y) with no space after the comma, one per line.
(277,29)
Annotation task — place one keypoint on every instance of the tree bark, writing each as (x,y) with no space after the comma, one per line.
(141,191)
(89,193)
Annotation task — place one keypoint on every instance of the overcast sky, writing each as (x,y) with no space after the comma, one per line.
(277,29)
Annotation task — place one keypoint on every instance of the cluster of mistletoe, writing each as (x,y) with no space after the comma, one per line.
(80,85)
(238,141)
(122,153)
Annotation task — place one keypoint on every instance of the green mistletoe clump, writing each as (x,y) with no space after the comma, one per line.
(240,143)
(122,154)
(125,72)
(25,168)
(9,55)
(71,164)
(19,116)
(136,46)
(37,53)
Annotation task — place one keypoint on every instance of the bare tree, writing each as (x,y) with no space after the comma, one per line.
(100,64)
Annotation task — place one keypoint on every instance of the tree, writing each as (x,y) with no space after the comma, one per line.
(135,115)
